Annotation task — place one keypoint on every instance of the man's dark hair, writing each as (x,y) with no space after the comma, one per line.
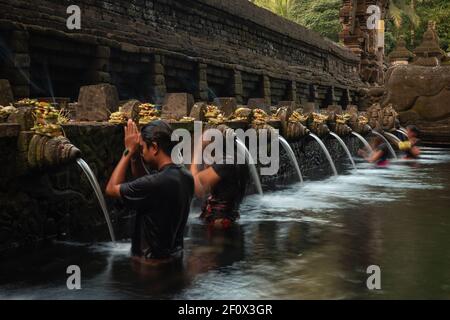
(414,130)
(159,132)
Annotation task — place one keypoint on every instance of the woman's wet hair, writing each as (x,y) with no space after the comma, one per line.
(159,132)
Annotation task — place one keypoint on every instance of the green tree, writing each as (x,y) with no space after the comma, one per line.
(318,15)
(405,17)
(321,16)
(412,21)
(288,9)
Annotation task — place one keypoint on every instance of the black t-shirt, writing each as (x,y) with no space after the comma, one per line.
(162,202)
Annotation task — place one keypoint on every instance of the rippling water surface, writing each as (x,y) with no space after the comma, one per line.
(308,241)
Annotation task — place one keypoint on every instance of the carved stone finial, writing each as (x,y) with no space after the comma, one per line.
(401,54)
(428,52)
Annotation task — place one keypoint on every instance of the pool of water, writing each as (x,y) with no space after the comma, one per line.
(311,241)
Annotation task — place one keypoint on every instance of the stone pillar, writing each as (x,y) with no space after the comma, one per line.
(202,93)
(266,90)
(238,88)
(6,94)
(332,96)
(347,97)
(292,94)
(100,72)
(159,79)
(313,93)
(18,64)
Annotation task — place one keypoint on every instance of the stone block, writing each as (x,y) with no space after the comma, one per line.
(23,140)
(6,95)
(258,103)
(352,109)
(177,105)
(227,105)
(131,109)
(310,107)
(72,110)
(97,102)
(9,130)
(335,109)
(24,118)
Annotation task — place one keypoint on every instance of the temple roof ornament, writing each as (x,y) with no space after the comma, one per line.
(429,51)
(360,40)
(401,54)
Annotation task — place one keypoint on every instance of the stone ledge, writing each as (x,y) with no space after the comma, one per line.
(9,130)
(248,11)
(89,124)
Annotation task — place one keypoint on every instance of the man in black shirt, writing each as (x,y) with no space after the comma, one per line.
(162,200)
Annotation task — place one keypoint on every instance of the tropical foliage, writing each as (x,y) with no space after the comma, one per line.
(318,15)
(405,17)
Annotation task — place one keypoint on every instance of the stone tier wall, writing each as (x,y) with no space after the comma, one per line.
(39,206)
(148,48)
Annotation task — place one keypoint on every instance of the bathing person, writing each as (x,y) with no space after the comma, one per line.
(409,147)
(224,185)
(162,200)
(380,154)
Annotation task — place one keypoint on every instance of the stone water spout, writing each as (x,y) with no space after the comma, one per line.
(47,147)
(317,123)
(44,141)
(242,149)
(383,119)
(293,124)
(338,121)
(389,118)
(359,122)
(375,116)
(46,152)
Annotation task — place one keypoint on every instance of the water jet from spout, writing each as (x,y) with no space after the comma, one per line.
(98,192)
(327,153)
(345,148)
(251,164)
(364,141)
(292,157)
(391,150)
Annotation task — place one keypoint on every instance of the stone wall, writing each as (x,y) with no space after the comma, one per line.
(421,95)
(311,160)
(60,203)
(39,205)
(148,48)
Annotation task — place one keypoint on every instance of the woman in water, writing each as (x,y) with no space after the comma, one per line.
(224,186)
